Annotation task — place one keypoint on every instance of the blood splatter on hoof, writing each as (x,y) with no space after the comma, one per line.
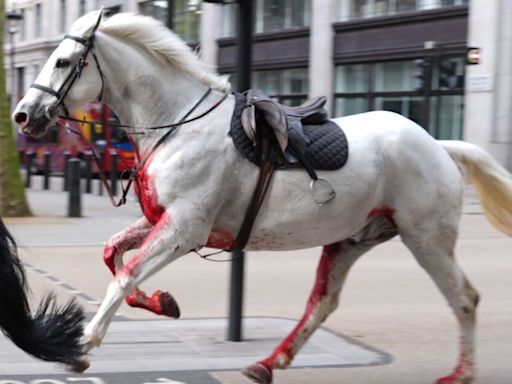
(80,365)
(161,303)
(454,380)
(258,373)
(169,305)
(463,374)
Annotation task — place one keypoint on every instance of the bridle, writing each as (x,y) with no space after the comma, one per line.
(68,83)
(75,74)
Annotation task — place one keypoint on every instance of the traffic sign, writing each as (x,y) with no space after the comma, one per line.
(473,56)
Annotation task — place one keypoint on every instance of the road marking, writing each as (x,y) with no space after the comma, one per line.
(90,300)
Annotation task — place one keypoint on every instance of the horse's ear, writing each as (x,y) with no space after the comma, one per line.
(93,29)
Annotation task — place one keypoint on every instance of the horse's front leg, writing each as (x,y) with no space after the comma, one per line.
(161,303)
(172,236)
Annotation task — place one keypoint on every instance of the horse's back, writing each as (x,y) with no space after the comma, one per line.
(418,177)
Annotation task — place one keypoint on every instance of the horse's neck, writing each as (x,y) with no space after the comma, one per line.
(143,93)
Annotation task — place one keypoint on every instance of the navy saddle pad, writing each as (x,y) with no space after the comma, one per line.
(327,147)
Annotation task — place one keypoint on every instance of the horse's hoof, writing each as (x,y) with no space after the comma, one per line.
(169,305)
(455,379)
(80,365)
(258,373)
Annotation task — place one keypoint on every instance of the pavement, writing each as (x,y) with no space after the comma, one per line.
(392,326)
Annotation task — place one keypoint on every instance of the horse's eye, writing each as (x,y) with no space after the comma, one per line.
(62,63)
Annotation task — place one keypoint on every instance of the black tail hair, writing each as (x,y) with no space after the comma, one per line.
(54,332)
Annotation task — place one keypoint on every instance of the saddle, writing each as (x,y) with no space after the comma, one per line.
(280,118)
(276,136)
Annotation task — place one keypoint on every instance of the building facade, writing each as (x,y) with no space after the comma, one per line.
(407,56)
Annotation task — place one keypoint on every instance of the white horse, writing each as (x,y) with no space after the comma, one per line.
(194,189)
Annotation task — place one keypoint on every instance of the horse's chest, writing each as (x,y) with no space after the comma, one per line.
(148,197)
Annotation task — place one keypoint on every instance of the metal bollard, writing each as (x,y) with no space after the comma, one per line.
(113,172)
(30,164)
(47,162)
(100,180)
(65,186)
(88,172)
(74,200)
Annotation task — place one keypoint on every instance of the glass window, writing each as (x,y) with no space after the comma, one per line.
(408,106)
(405,5)
(81,7)
(20,76)
(395,76)
(63,12)
(270,16)
(38,13)
(299,13)
(267,81)
(35,71)
(352,78)
(289,86)
(345,106)
(357,9)
(295,81)
(360,8)
(22,24)
(156,9)
(390,86)
(229,20)
(446,117)
(110,11)
(447,3)
(186,16)
(380,8)
(273,15)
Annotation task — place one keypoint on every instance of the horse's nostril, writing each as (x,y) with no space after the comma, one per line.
(21,117)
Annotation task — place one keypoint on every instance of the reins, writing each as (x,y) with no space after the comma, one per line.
(134,171)
(63,91)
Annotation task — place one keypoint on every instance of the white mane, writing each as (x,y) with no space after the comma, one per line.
(162,44)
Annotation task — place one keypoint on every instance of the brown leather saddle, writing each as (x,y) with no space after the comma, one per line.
(274,135)
(279,117)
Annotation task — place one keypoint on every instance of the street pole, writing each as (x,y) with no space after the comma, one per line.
(170,14)
(245,18)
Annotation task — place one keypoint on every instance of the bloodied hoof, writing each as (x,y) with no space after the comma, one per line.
(169,305)
(80,365)
(454,380)
(258,373)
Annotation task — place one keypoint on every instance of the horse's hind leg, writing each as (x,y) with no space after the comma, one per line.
(334,265)
(161,303)
(435,255)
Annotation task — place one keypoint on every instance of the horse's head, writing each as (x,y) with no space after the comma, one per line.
(66,81)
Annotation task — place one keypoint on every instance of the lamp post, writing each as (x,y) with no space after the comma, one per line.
(245,24)
(13,19)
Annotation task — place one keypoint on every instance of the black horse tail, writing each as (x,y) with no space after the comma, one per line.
(54,332)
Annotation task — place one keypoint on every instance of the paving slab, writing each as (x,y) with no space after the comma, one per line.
(167,347)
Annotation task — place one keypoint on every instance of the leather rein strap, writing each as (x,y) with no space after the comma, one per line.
(269,153)
(134,171)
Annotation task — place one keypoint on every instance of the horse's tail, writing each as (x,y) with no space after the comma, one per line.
(54,332)
(492,182)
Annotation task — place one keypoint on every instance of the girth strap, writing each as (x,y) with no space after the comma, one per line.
(269,154)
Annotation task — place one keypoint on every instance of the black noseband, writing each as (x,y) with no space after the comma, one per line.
(64,89)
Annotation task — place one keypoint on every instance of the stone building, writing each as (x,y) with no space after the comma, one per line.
(408,56)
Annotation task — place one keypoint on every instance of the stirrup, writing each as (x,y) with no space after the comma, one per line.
(322,191)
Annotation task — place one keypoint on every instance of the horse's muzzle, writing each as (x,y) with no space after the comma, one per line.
(29,126)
